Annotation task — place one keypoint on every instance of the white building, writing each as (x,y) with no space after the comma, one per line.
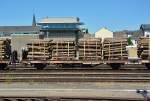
(145,28)
(134,42)
(104,33)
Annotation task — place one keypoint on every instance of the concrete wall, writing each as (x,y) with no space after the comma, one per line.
(19,42)
(104,33)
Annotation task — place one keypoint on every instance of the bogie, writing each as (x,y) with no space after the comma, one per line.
(39,66)
(147,65)
(115,66)
(3,66)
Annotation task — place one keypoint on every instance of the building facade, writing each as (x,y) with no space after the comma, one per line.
(61,28)
(104,33)
(145,29)
(9,30)
(19,42)
(54,28)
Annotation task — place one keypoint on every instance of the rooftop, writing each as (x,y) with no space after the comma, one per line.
(145,26)
(60,20)
(18,28)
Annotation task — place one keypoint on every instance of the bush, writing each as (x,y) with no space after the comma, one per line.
(130,41)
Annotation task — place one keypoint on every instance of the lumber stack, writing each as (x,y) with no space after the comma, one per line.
(90,49)
(5,49)
(63,50)
(144,47)
(39,50)
(115,49)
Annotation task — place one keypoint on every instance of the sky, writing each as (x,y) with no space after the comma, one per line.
(115,15)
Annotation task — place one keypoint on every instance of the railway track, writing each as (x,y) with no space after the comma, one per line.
(76,76)
(62,99)
(105,68)
(100,67)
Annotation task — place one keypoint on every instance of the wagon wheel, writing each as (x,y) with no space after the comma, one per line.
(147,65)
(40,66)
(3,66)
(115,66)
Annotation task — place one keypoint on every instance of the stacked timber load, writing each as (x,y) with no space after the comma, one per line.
(115,49)
(5,49)
(63,50)
(90,49)
(39,50)
(144,47)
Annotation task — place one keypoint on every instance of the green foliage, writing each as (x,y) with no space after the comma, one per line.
(130,41)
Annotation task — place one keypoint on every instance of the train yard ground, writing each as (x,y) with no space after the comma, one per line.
(99,90)
(103,73)
(73,84)
(76,76)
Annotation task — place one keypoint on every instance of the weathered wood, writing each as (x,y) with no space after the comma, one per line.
(144,47)
(39,50)
(63,50)
(38,47)
(5,49)
(114,48)
(38,53)
(38,56)
(90,49)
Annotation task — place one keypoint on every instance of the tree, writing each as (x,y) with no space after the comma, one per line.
(130,41)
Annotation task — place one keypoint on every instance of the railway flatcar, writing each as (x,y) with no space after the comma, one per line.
(88,51)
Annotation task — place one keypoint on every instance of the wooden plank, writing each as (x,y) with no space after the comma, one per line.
(114,48)
(38,56)
(38,53)
(90,49)
(144,47)
(38,47)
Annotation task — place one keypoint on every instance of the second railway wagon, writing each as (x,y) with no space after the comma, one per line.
(88,51)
